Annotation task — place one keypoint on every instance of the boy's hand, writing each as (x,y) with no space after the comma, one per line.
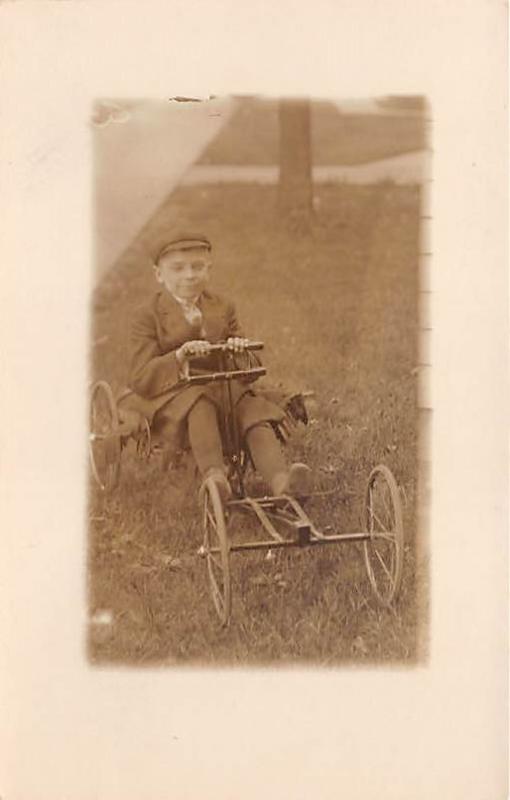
(237,344)
(197,347)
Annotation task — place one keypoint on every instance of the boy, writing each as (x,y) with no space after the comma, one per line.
(181,322)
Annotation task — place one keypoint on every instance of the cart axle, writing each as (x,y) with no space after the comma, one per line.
(301,541)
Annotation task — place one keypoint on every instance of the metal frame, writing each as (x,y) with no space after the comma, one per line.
(282,518)
(283,510)
(289,513)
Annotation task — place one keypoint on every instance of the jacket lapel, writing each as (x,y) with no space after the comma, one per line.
(175,328)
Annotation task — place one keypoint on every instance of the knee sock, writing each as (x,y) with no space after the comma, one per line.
(204,436)
(266,452)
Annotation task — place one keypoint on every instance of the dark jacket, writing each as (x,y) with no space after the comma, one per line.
(158,330)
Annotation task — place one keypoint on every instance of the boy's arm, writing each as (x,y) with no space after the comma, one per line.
(151,373)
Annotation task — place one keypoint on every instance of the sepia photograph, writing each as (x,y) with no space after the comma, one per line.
(254,471)
(256,349)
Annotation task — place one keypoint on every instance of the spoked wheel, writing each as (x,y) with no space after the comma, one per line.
(104,441)
(384,549)
(216,550)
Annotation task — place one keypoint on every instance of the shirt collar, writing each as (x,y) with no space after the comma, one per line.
(186,303)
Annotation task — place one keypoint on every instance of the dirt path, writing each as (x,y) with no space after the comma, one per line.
(408,168)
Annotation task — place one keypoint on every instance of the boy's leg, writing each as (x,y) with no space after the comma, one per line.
(205,440)
(265,451)
(269,461)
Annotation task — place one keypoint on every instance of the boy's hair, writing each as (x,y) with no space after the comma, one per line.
(187,241)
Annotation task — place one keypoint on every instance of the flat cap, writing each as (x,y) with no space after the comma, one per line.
(183,241)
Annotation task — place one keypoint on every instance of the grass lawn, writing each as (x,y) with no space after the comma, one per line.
(251,137)
(338,313)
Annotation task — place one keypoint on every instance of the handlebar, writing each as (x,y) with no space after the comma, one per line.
(214,377)
(223,347)
(251,373)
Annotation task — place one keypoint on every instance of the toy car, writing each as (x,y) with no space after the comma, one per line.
(281,520)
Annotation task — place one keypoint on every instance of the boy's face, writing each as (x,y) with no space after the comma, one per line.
(185,273)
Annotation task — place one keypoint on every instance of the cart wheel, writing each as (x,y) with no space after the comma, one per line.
(216,550)
(384,550)
(104,442)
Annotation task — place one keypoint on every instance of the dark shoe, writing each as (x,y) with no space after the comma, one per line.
(220,479)
(296,481)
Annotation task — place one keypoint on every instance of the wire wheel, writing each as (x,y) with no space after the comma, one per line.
(384,549)
(104,440)
(216,550)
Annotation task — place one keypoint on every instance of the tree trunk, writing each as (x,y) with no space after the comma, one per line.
(295,186)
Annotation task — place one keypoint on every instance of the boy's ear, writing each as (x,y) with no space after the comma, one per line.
(157,272)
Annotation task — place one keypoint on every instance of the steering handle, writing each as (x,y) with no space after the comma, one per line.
(224,347)
(215,377)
